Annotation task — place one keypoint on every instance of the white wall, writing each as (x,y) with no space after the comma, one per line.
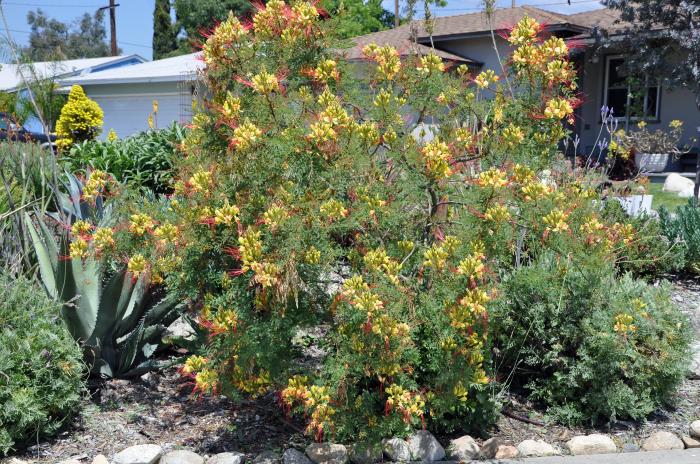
(127,106)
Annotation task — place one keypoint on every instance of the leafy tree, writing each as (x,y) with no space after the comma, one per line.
(164,33)
(358,17)
(195,17)
(671,51)
(52,40)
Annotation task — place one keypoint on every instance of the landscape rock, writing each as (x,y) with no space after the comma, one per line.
(397,450)
(536,448)
(490,447)
(662,441)
(694,371)
(463,449)
(630,448)
(365,453)
(228,458)
(690,442)
(70,461)
(676,183)
(267,457)
(424,447)
(100,459)
(139,454)
(686,193)
(182,457)
(507,452)
(180,329)
(591,444)
(695,429)
(293,456)
(327,453)
(16,461)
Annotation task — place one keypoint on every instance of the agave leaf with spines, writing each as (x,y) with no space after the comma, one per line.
(119,320)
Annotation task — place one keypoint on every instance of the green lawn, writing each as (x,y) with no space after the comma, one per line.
(670,200)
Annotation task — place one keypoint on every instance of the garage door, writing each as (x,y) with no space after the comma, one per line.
(128,114)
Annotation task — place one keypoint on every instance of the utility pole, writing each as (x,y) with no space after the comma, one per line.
(112,25)
(512,5)
(396,13)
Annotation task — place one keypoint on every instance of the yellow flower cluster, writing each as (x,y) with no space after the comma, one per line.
(269,20)
(410,405)
(378,261)
(494,178)
(555,221)
(166,233)
(315,399)
(103,238)
(497,213)
(486,78)
(430,64)
(525,32)
(312,256)
(79,248)
(251,383)
(472,266)
(275,216)
(137,265)
(227,33)
(226,214)
(513,136)
(201,181)
(250,247)
(95,185)
(246,135)
(326,71)
(535,190)
(470,307)
(332,210)
(624,324)
(232,106)
(437,156)
(140,223)
(558,108)
(387,59)
(265,83)
(436,257)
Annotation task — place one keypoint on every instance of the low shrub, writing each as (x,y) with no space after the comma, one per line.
(80,119)
(684,230)
(144,160)
(587,346)
(41,369)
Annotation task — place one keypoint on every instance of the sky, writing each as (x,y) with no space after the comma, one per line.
(135,17)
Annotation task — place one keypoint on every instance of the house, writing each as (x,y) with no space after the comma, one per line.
(126,95)
(11,74)
(467,39)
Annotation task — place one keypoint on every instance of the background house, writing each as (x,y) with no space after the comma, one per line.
(467,38)
(126,95)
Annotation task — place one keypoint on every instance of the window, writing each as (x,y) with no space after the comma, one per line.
(645,92)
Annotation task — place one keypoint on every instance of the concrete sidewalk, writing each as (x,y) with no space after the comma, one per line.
(689,456)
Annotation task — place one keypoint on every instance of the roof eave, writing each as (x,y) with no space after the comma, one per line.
(131,80)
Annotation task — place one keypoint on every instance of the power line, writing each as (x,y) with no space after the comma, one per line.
(51,5)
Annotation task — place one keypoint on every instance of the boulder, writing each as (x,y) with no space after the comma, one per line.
(675,183)
(181,457)
(695,429)
(327,453)
(536,448)
(139,454)
(227,458)
(694,371)
(659,441)
(397,450)
(365,453)
(690,442)
(292,456)
(462,449)
(591,444)
(100,459)
(490,447)
(267,457)
(507,452)
(424,447)
(687,193)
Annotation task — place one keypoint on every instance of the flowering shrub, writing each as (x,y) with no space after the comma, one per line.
(304,201)
(80,120)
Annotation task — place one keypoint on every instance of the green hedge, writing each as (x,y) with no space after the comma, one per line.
(41,368)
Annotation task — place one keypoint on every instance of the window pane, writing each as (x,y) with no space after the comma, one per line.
(615,77)
(652,97)
(617,100)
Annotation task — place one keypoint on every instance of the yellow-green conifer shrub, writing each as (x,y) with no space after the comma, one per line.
(306,203)
(81,119)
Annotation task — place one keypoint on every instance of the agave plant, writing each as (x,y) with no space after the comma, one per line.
(120,321)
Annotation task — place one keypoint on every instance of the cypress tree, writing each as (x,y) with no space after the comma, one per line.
(164,34)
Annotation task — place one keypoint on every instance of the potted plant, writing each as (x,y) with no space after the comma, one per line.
(654,151)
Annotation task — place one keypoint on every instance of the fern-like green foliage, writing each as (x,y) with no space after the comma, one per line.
(41,370)
(684,228)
